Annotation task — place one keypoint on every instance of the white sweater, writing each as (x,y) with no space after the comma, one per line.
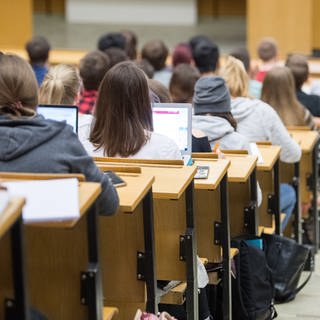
(258,121)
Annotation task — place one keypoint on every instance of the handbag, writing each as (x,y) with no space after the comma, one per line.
(286,259)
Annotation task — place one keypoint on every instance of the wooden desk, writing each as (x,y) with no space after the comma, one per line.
(12,268)
(173,221)
(126,238)
(242,194)
(212,221)
(268,177)
(308,169)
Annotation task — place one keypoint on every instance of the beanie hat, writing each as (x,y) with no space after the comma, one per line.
(211,95)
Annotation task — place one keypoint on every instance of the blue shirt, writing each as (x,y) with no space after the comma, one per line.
(40,72)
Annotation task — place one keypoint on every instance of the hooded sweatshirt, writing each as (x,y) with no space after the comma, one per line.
(258,121)
(220,130)
(45,146)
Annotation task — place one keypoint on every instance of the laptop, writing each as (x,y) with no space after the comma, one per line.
(174,120)
(60,113)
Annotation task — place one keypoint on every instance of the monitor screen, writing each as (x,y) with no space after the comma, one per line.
(174,120)
(61,113)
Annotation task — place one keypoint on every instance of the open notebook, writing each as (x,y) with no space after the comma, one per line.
(47,200)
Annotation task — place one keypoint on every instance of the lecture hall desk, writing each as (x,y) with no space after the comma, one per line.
(12,266)
(173,221)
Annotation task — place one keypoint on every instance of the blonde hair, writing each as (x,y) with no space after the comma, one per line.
(18,87)
(236,77)
(278,90)
(61,85)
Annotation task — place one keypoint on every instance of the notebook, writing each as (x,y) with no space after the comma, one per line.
(61,113)
(174,121)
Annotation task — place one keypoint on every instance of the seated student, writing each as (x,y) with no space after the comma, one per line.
(30,143)
(255,86)
(278,91)
(181,54)
(259,122)
(298,64)
(268,54)
(146,67)
(116,55)
(38,51)
(111,40)
(131,44)
(93,67)
(183,80)
(123,118)
(156,52)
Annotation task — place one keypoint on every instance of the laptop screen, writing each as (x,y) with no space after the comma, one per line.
(174,120)
(61,113)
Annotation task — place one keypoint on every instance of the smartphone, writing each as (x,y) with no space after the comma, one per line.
(202,172)
(115,179)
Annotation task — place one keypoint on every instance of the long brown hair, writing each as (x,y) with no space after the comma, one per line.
(123,111)
(18,87)
(278,90)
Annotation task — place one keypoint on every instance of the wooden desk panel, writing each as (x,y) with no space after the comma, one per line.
(306,138)
(270,155)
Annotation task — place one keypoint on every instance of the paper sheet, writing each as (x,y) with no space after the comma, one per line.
(256,152)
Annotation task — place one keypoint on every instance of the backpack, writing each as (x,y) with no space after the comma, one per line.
(252,286)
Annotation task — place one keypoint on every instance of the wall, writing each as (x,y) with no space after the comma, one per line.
(179,12)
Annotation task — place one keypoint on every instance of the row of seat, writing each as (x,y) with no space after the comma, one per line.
(166,218)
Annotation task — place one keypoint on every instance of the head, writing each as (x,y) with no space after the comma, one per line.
(183,80)
(156,52)
(206,56)
(160,91)
(116,56)
(112,40)
(267,50)
(123,111)
(278,90)
(146,67)
(196,39)
(61,85)
(93,67)
(212,97)
(243,55)
(298,64)
(236,77)
(131,44)
(181,54)
(38,50)
(18,87)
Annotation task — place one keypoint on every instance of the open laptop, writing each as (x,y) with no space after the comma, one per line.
(174,121)
(60,113)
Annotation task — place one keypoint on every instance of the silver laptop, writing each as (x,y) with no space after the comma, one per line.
(174,120)
(60,113)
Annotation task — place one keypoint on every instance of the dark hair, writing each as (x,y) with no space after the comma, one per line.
(181,54)
(298,64)
(160,90)
(156,53)
(116,55)
(93,67)
(112,40)
(183,80)
(197,39)
(206,56)
(243,55)
(38,50)
(123,111)
(131,44)
(227,116)
(267,49)
(145,66)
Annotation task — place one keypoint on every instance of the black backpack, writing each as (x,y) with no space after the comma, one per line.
(252,287)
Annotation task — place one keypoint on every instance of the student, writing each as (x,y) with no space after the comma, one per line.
(183,80)
(111,40)
(298,64)
(181,54)
(259,122)
(146,67)
(38,49)
(156,52)
(93,67)
(123,118)
(268,54)
(116,55)
(131,44)
(278,90)
(30,143)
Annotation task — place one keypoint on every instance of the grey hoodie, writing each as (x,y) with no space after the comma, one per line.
(45,146)
(219,129)
(258,121)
